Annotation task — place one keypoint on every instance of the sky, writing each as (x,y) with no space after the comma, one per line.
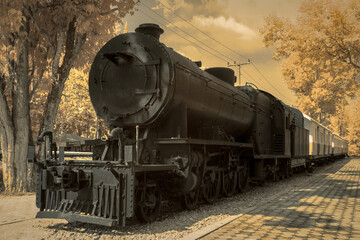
(219,32)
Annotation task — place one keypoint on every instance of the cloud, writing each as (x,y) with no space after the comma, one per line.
(228,24)
(189,8)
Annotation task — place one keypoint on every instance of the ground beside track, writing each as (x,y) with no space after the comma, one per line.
(328,207)
(17,212)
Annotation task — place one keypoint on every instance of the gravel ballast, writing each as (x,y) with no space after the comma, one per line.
(175,223)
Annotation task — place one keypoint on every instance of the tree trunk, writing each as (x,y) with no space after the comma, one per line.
(16,171)
(15,124)
(9,171)
(61,73)
(51,107)
(21,120)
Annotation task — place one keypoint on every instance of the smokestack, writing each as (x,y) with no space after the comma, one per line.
(151,29)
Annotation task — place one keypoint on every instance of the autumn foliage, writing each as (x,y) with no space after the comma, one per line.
(76,114)
(321,60)
(40,42)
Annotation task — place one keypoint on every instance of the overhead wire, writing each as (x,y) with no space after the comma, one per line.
(208,51)
(269,82)
(183,37)
(186,33)
(249,76)
(245,77)
(156,20)
(208,35)
(189,41)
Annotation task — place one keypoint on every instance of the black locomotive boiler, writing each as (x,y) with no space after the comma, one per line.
(177,133)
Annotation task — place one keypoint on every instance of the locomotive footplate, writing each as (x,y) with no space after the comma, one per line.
(155,167)
(194,141)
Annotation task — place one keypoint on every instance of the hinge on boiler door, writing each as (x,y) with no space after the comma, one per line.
(157,90)
(147,91)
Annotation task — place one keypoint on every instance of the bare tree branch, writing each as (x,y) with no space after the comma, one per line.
(57,55)
(72,48)
(42,32)
(36,85)
(32,69)
(109,12)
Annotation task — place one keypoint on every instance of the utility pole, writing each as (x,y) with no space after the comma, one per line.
(239,67)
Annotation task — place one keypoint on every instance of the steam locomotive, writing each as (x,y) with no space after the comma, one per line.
(177,133)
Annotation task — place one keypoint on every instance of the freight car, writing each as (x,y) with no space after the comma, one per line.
(177,133)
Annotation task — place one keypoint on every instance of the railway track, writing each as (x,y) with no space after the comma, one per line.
(174,225)
(16,221)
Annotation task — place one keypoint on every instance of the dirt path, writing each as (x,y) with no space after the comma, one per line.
(17,218)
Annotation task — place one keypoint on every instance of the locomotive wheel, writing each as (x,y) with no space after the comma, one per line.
(281,175)
(243,180)
(276,177)
(211,187)
(287,172)
(290,172)
(148,199)
(244,177)
(190,200)
(309,168)
(229,183)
